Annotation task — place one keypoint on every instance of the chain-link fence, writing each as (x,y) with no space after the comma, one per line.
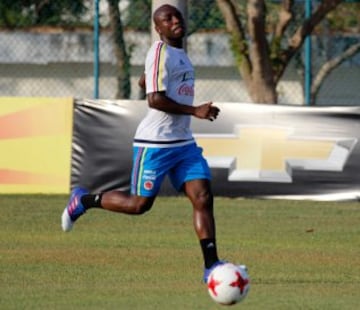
(59,62)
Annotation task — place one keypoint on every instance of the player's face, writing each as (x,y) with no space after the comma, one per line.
(169,23)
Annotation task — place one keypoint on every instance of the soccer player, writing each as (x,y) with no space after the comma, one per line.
(163,143)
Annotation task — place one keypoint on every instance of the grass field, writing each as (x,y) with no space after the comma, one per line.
(300,255)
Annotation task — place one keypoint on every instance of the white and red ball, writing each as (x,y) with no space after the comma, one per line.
(228,284)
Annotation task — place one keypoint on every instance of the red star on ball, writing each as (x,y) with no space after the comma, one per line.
(240,282)
(212,284)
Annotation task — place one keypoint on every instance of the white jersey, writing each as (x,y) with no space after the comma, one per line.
(167,69)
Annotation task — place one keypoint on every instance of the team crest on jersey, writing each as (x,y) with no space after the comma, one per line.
(148,185)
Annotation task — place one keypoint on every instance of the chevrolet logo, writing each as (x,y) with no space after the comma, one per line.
(269,154)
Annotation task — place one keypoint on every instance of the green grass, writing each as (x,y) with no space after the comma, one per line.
(300,254)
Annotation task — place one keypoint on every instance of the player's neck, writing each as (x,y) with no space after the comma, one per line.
(173,43)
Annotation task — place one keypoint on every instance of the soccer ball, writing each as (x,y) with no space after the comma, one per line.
(228,284)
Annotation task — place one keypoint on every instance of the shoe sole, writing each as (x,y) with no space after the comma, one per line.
(66,222)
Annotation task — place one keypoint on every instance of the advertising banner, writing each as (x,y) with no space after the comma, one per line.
(253,150)
(35,145)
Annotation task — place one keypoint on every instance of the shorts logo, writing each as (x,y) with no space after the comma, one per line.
(148,185)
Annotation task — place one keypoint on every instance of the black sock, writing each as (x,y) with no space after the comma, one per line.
(91,201)
(208,247)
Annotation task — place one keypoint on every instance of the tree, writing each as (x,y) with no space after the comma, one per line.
(329,66)
(121,54)
(261,58)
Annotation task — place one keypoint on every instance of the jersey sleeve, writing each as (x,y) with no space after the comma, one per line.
(156,72)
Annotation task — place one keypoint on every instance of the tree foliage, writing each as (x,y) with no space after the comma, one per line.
(26,13)
(138,15)
(204,16)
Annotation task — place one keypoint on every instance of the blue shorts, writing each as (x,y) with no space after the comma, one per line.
(181,164)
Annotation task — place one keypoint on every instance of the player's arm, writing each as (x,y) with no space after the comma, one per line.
(159,101)
(141,82)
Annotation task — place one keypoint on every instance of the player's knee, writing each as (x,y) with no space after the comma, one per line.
(200,194)
(203,199)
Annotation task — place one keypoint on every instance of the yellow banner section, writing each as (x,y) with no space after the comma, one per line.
(35,145)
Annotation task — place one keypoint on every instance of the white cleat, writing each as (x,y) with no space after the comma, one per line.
(66,222)
(74,209)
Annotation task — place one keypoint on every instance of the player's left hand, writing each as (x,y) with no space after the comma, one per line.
(207,111)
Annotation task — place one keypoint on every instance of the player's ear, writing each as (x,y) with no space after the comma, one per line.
(157,29)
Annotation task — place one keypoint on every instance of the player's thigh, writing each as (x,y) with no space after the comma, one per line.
(192,166)
(150,165)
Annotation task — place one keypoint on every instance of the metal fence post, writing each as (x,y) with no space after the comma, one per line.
(96,50)
(308,69)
